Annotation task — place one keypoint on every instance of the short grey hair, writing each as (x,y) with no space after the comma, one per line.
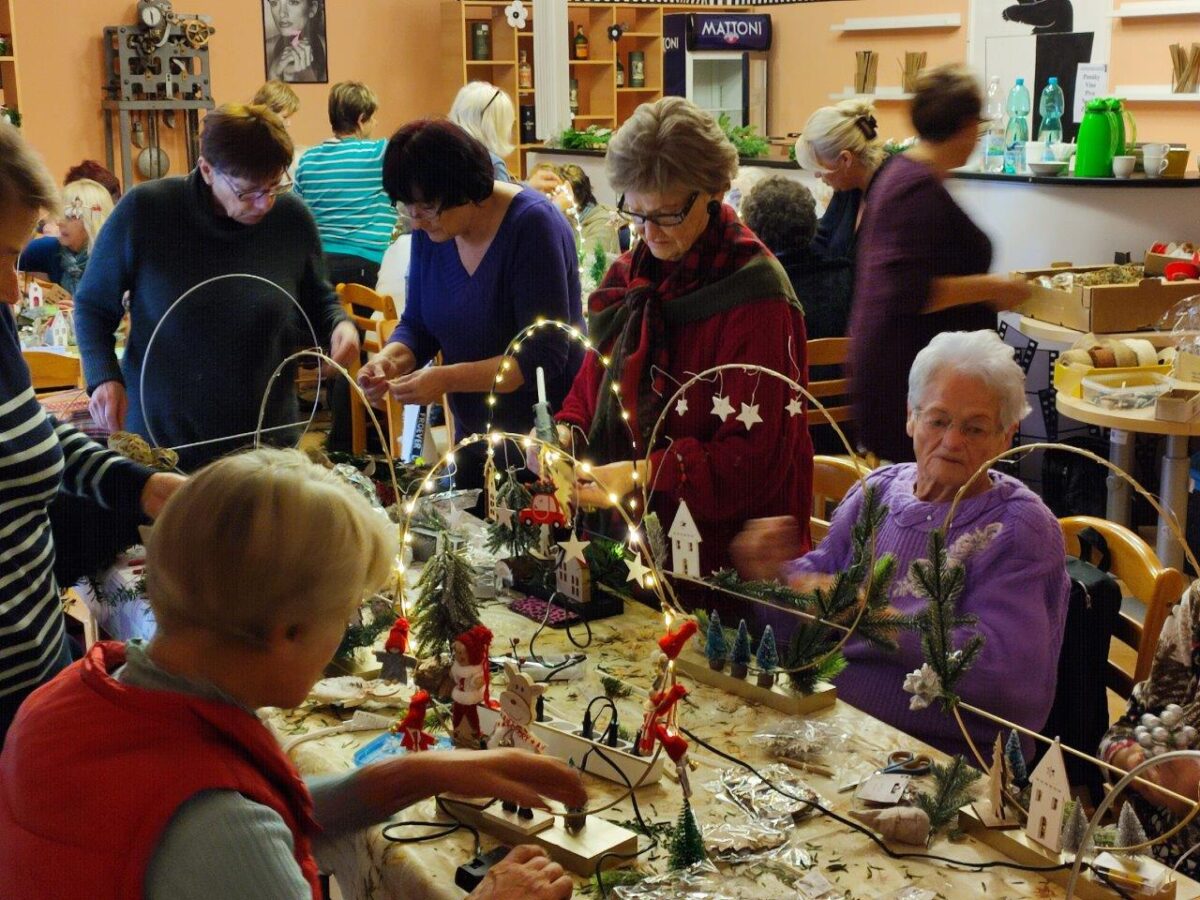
(978,354)
(782,213)
(671,143)
(24,179)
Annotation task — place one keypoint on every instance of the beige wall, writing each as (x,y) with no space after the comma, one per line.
(403,50)
(393,45)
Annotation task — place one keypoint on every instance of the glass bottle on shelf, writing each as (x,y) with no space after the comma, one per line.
(525,73)
(582,49)
(637,68)
(620,74)
(573,96)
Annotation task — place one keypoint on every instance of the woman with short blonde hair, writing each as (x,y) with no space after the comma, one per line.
(485,112)
(278,97)
(841,145)
(699,290)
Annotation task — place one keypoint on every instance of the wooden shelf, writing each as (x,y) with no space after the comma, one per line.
(531,146)
(591,62)
(900,23)
(639,34)
(491,62)
(601,118)
(1153,93)
(524,91)
(1156,9)
(881,95)
(8,59)
(641,90)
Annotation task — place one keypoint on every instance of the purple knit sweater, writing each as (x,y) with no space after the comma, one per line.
(1016,583)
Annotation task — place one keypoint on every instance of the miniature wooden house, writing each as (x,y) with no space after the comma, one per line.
(1048,794)
(573,580)
(685,543)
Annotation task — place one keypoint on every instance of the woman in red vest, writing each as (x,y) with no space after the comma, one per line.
(143,771)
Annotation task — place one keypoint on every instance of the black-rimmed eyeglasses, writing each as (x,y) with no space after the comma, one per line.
(662,220)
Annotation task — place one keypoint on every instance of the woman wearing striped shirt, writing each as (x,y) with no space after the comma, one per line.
(39,458)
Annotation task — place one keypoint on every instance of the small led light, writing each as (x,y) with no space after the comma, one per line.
(606,361)
(527,443)
(634,537)
(408,538)
(649,581)
(495,438)
(613,498)
(551,458)
(625,414)
(585,467)
(635,474)
(540,320)
(491,400)
(410,507)
(633,503)
(506,365)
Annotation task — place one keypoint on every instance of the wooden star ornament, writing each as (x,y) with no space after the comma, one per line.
(749,415)
(722,408)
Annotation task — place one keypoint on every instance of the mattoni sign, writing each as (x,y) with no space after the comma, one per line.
(707,31)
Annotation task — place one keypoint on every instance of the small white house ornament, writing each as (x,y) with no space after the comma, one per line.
(1049,792)
(685,543)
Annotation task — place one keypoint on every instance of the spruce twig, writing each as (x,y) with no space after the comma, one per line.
(951,791)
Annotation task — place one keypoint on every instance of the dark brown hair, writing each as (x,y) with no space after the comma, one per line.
(436,161)
(350,101)
(945,101)
(89,168)
(247,142)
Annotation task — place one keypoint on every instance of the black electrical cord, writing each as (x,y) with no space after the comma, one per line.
(589,725)
(570,637)
(637,812)
(855,826)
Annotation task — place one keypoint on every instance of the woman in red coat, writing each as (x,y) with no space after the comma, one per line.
(698,291)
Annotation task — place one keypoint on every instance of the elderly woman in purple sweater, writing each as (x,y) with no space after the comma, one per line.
(966,397)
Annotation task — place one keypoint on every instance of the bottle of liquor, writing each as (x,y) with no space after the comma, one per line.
(573,96)
(525,73)
(637,68)
(620,74)
(582,49)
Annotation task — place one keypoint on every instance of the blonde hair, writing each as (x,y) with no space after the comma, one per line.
(278,97)
(260,539)
(89,202)
(24,180)
(831,129)
(671,143)
(349,103)
(485,112)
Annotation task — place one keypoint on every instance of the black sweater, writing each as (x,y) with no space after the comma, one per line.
(205,370)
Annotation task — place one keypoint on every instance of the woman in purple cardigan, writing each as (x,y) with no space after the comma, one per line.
(921,261)
(965,399)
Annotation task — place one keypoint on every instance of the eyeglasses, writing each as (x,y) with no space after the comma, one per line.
(662,220)
(937,422)
(253,196)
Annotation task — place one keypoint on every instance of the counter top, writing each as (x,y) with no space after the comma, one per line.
(1137,181)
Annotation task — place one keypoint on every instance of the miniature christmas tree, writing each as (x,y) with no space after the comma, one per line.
(508,534)
(1016,760)
(446,605)
(685,843)
(1074,828)
(599,265)
(767,658)
(1130,832)
(951,792)
(739,659)
(655,539)
(715,647)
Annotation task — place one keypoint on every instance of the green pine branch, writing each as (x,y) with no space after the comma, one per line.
(951,791)
(941,581)
(515,539)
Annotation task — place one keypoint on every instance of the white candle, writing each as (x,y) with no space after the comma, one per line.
(541,379)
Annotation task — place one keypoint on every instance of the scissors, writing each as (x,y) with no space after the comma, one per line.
(905,762)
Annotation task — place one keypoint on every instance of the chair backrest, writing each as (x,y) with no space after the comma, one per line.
(829,352)
(357,295)
(52,371)
(1145,578)
(833,476)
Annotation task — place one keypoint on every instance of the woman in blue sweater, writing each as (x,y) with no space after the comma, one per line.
(40,458)
(488,260)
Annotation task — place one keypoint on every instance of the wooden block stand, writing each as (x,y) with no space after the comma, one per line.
(578,852)
(695,665)
(1013,843)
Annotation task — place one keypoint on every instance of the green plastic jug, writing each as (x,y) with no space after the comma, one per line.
(1099,133)
(1126,127)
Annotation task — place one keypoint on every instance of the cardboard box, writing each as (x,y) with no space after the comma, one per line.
(1177,405)
(1156,263)
(1104,308)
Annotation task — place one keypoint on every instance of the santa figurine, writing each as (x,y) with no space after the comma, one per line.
(393,657)
(413,736)
(471,677)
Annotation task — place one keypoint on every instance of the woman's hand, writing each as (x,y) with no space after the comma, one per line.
(158,491)
(599,485)
(1008,293)
(343,344)
(373,377)
(108,406)
(527,779)
(525,874)
(422,387)
(1182,776)
(764,545)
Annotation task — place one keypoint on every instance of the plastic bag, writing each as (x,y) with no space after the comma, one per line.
(699,882)
(802,739)
(762,802)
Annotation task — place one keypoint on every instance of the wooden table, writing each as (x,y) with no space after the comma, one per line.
(1049,333)
(1173,480)
(366,865)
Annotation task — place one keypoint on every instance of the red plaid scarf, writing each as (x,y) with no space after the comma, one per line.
(626,322)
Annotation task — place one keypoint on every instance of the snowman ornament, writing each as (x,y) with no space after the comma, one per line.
(517,704)
(1164,732)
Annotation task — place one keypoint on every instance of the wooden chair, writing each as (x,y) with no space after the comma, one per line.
(352,295)
(52,371)
(1145,578)
(829,352)
(833,477)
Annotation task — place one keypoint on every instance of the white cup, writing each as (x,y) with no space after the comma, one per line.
(1155,149)
(1123,166)
(1154,164)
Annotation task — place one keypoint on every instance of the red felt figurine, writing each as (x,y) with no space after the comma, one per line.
(471,679)
(659,707)
(397,639)
(393,657)
(411,728)
(673,642)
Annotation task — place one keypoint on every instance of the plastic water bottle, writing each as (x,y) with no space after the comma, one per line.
(993,139)
(1017,133)
(1050,107)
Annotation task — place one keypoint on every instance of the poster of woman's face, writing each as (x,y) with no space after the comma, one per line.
(294,41)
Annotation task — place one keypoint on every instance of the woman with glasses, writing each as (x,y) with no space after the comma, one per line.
(699,290)
(488,260)
(248,256)
(921,266)
(841,145)
(966,397)
(63,258)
